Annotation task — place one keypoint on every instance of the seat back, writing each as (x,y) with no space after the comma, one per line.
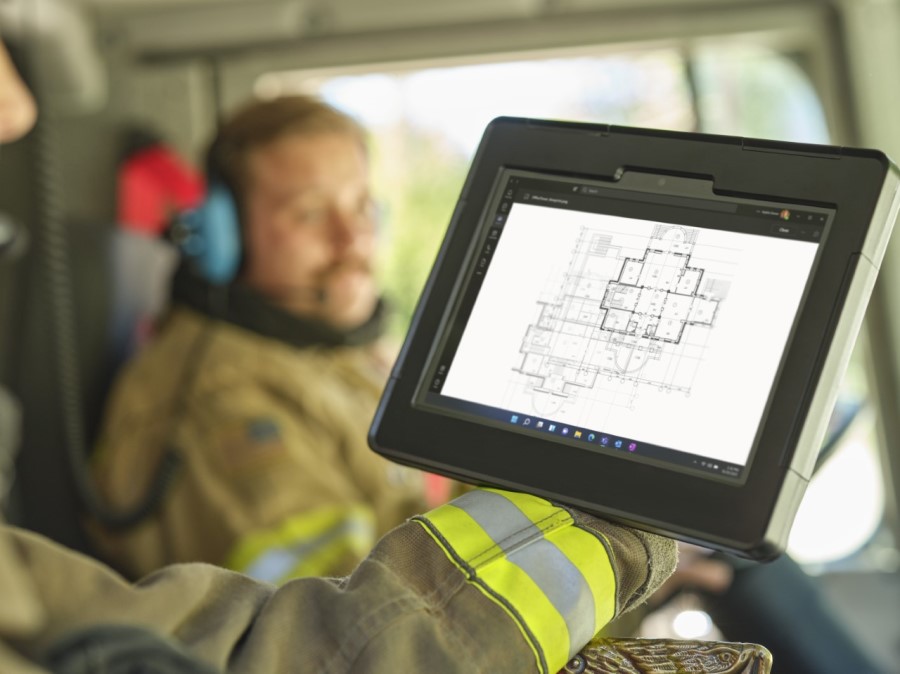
(118,282)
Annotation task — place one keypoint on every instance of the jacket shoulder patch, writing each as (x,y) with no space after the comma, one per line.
(252,441)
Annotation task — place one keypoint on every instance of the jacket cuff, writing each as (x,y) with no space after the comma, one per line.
(554,579)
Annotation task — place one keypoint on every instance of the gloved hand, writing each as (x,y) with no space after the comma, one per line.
(642,561)
(665,656)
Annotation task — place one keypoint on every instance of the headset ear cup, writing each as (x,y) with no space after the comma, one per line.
(213,236)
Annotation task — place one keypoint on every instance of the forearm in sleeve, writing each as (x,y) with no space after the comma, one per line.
(493,581)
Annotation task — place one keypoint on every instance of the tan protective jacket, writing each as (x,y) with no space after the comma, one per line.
(492,582)
(276,479)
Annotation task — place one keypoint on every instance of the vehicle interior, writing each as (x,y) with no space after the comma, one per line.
(78,286)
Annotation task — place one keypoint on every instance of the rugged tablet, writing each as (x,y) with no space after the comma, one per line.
(647,325)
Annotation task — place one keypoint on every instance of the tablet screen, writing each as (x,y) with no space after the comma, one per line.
(649,324)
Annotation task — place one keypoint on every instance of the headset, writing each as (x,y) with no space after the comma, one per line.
(210,234)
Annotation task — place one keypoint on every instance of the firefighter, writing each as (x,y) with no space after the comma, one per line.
(265,373)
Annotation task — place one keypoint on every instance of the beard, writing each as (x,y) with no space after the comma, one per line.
(349,295)
(342,294)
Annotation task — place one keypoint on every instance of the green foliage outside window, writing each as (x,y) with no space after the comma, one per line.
(418,189)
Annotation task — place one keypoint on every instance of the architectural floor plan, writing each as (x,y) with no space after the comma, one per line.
(641,319)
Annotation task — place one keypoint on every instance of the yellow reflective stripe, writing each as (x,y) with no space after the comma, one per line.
(475,549)
(532,550)
(555,577)
(591,556)
(308,544)
(581,549)
(476,581)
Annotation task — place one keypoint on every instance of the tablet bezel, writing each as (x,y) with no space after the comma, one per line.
(746,518)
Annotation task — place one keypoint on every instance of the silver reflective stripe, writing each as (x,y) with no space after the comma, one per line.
(561,581)
(273,565)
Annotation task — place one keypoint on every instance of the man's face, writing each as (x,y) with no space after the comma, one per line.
(309,227)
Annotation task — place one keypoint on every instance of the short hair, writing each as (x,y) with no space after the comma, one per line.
(261,122)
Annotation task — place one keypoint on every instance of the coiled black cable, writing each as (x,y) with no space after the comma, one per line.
(54,253)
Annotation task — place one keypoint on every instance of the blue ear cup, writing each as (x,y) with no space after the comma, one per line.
(212,236)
